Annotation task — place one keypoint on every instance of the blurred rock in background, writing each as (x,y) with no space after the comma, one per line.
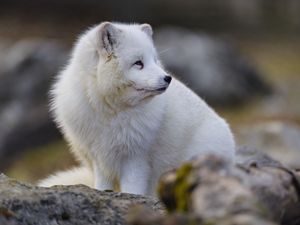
(26,71)
(210,66)
(278,139)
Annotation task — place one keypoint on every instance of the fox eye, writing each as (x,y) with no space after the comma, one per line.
(139,64)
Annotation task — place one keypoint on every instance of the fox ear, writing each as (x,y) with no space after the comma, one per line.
(108,37)
(147,29)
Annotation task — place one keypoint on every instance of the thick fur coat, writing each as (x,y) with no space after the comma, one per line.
(126,119)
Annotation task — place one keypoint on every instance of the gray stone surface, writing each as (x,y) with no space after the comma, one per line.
(25,204)
(256,193)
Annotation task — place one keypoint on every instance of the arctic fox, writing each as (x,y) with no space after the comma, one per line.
(126,119)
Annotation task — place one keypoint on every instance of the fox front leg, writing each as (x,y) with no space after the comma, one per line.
(101,182)
(134,177)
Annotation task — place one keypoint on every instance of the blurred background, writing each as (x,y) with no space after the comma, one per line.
(241,56)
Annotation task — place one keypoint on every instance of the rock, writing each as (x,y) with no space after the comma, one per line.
(210,66)
(204,191)
(25,204)
(279,139)
(256,193)
(26,71)
(145,216)
(198,188)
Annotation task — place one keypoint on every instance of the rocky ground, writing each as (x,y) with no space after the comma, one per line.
(25,204)
(259,190)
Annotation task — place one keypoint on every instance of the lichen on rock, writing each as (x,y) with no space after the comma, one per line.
(208,190)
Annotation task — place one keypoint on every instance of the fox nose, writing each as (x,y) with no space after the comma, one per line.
(168,79)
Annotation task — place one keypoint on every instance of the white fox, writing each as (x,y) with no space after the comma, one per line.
(126,119)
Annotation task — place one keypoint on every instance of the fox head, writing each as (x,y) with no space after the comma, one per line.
(122,61)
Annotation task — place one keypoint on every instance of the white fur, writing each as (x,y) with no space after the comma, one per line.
(118,126)
(78,175)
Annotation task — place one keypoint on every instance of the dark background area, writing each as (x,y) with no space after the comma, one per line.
(266,17)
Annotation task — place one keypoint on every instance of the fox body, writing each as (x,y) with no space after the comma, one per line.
(126,119)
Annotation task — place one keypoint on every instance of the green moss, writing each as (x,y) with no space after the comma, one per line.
(182,187)
(175,189)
